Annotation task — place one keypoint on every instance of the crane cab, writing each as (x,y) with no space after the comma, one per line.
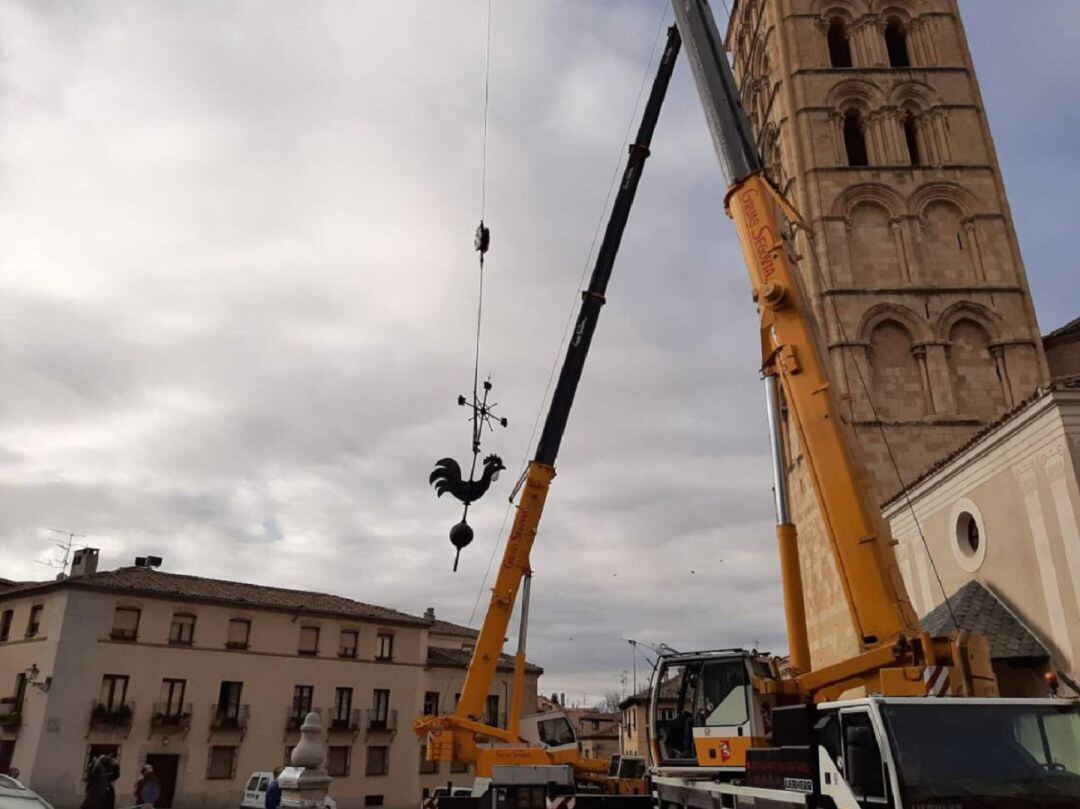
(704,711)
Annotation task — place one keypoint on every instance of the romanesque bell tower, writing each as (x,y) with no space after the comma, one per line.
(869,117)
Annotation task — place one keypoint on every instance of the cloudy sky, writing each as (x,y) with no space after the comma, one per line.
(237,293)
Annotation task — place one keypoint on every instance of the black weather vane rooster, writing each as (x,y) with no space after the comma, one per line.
(447,477)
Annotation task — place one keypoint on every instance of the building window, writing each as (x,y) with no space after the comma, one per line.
(302,697)
(968,535)
(373,800)
(239,633)
(342,708)
(96,751)
(309,640)
(222,762)
(380,707)
(33,625)
(491,711)
(839,47)
(227,711)
(172,699)
(5,624)
(182,629)
(337,760)
(431,703)
(896,44)
(855,139)
(427,767)
(113,691)
(384,650)
(125,623)
(378,760)
(911,135)
(348,642)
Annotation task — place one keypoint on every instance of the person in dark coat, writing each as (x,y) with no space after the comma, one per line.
(273,791)
(147,788)
(100,793)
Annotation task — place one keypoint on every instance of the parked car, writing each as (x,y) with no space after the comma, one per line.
(14,795)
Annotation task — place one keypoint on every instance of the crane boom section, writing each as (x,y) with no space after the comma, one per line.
(861,543)
(463,724)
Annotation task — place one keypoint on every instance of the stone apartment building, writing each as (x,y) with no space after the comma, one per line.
(633,728)
(869,117)
(209,681)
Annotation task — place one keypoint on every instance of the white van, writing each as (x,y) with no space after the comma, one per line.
(254,796)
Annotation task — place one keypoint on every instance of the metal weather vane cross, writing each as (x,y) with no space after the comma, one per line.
(447,477)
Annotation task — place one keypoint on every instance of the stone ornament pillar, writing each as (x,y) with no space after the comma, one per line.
(305,785)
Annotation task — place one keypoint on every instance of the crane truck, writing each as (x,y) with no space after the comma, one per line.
(911,721)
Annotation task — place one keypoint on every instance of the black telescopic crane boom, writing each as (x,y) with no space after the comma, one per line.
(592,299)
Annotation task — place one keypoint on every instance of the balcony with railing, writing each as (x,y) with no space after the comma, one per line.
(170,716)
(226,716)
(114,716)
(10,717)
(381,720)
(346,722)
(294,717)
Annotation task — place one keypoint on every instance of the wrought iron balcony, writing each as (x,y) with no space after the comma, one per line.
(10,715)
(226,716)
(294,716)
(117,715)
(381,720)
(349,722)
(169,715)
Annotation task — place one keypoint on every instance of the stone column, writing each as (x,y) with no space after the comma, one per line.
(998,353)
(971,233)
(305,785)
(924,375)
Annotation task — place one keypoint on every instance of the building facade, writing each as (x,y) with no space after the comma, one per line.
(869,118)
(209,681)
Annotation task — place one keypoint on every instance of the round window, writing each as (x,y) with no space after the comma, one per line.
(969,535)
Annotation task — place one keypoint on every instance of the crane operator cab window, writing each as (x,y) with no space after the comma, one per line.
(711,702)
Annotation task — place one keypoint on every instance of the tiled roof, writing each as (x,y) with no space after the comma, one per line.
(1061,383)
(440,627)
(147,581)
(460,658)
(669,689)
(977,609)
(1072,327)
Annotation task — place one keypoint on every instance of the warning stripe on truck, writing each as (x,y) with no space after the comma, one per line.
(937,680)
(560,802)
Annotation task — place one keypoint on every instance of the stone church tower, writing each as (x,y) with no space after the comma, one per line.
(868,115)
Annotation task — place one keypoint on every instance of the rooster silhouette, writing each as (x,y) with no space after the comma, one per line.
(447,478)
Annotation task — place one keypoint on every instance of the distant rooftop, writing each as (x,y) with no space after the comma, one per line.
(459,658)
(152,582)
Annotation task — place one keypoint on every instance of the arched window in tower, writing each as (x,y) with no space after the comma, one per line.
(855,139)
(911,135)
(839,47)
(897,385)
(874,259)
(976,385)
(942,250)
(896,43)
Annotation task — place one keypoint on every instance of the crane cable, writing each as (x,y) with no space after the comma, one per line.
(523,469)
(481,242)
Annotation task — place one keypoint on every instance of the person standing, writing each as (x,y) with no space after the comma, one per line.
(273,791)
(148,787)
(100,793)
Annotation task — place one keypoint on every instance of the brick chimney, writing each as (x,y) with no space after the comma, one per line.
(429,613)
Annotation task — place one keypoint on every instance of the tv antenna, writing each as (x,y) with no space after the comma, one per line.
(62,563)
